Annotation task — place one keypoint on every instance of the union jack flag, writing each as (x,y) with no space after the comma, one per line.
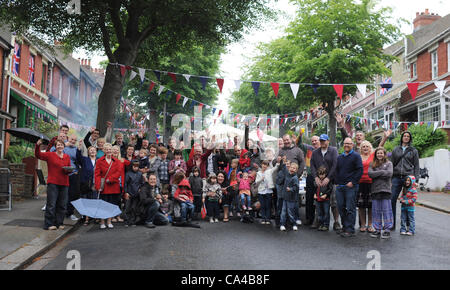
(31,71)
(16,59)
(386,86)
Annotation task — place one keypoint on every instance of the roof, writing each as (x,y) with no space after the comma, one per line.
(422,37)
(68,62)
(394,48)
(93,77)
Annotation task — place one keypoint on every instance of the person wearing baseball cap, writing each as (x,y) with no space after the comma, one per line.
(326,156)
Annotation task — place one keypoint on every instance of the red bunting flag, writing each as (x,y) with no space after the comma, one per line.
(378,124)
(178,98)
(275,87)
(339,90)
(413,89)
(200,107)
(220,84)
(220,113)
(172,75)
(128,67)
(152,85)
(122,70)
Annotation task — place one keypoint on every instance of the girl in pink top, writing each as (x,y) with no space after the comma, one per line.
(364,201)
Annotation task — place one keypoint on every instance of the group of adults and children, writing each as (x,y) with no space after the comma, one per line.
(156,184)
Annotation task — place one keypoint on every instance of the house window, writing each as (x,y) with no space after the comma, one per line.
(430,112)
(60,87)
(448,56)
(414,70)
(434,64)
(377,116)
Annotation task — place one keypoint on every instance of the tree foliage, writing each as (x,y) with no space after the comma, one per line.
(329,42)
(122,28)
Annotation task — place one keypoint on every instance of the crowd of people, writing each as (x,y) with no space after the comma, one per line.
(157,184)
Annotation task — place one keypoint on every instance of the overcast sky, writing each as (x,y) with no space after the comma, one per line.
(238,54)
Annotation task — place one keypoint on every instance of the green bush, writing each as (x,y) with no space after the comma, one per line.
(423,139)
(17,152)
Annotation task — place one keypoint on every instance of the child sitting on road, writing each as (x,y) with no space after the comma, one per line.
(322,197)
(407,199)
(166,205)
(183,195)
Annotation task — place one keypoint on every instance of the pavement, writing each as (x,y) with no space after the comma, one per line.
(23,239)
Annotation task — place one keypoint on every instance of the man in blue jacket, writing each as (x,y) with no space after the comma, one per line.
(348,172)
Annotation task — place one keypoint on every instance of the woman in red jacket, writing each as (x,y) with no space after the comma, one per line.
(123,164)
(111,190)
(57,184)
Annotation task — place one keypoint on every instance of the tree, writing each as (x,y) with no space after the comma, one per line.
(196,60)
(120,28)
(329,42)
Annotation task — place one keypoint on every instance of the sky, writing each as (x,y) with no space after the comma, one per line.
(239,54)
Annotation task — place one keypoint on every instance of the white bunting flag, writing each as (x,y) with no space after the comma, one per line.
(132,75)
(187,77)
(296,119)
(285,120)
(238,84)
(259,120)
(185,101)
(142,74)
(243,118)
(440,85)
(436,124)
(294,88)
(362,88)
(161,88)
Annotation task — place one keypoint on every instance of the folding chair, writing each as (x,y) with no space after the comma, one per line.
(5,187)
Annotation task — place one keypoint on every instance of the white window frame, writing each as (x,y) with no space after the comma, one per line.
(60,86)
(434,65)
(380,117)
(448,56)
(431,104)
(414,70)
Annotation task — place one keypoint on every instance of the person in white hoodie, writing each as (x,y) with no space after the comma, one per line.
(265,183)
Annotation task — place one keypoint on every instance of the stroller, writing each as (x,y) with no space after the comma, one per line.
(424,175)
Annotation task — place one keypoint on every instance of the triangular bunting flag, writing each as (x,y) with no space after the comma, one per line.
(413,89)
(238,83)
(178,98)
(187,77)
(315,86)
(172,76)
(133,75)
(122,70)
(185,101)
(255,86)
(161,88)
(169,92)
(362,88)
(294,89)
(157,74)
(152,85)
(275,87)
(213,110)
(220,113)
(203,80)
(200,107)
(441,86)
(339,90)
(436,124)
(220,84)
(142,74)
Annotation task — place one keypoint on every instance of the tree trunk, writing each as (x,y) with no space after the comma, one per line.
(112,88)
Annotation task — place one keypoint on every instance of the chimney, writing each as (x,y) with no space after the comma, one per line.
(424,18)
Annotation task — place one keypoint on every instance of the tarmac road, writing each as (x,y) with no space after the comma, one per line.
(239,246)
